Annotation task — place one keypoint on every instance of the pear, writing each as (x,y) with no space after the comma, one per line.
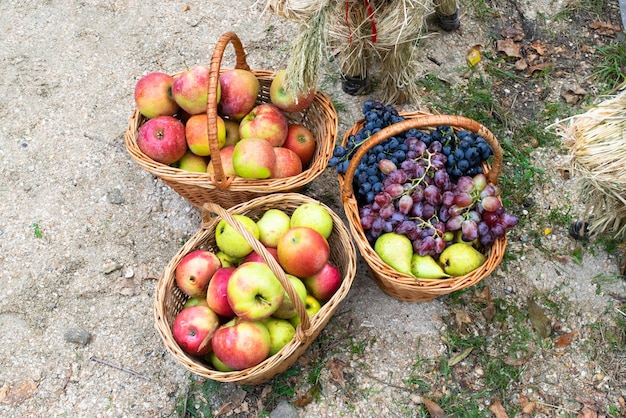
(425,267)
(460,259)
(396,250)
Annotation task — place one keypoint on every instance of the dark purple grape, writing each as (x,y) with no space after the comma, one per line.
(487,239)
(413,234)
(463,200)
(425,246)
(417,195)
(417,210)
(388,227)
(438,161)
(404,227)
(490,218)
(483,228)
(428,210)
(442,180)
(394,190)
(465,184)
(443,214)
(509,220)
(398,176)
(440,245)
(432,195)
(454,223)
(386,211)
(498,230)
(469,229)
(367,221)
(447,198)
(377,226)
(435,147)
(382,199)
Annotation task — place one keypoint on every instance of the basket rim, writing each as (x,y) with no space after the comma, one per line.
(303,338)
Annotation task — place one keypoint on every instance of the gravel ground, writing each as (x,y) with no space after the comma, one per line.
(84,232)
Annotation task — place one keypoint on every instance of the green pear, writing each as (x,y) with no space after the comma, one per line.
(230,241)
(396,250)
(425,267)
(460,259)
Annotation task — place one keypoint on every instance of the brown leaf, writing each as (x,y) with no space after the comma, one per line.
(521,64)
(512,32)
(536,67)
(16,395)
(566,339)
(587,412)
(483,296)
(462,318)
(517,361)
(234,402)
(605,28)
(434,410)
(538,319)
(303,399)
(539,46)
(497,408)
(490,311)
(509,47)
(336,367)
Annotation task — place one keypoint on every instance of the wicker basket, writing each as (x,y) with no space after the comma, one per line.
(398,285)
(169,299)
(198,188)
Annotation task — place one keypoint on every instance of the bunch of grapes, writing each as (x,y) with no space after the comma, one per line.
(465,151)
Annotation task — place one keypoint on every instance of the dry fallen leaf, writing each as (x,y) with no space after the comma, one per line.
(521,64)
(462,318)
(460,357)
(336,371)
(303,399)
(434,410)
(16,395)
(538,319)
(497,408)
(587,412)
(235,401)
(483,296)
(509,47)
(512,32)
(490,311)
(539,46)
(536,67)
(605,28)
(566,339)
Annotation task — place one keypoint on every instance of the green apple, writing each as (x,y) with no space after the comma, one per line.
(227,260)
(425,267)
(272,225)
(217,363)
(312,307)
(314,216)
(254,292)
(232,242)
(395,250)
(281,332)
(287,309)
(460,259)
(192,162)
(195,301)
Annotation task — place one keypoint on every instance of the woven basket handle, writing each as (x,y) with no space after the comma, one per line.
(422,122)
(219,179)
(305,324)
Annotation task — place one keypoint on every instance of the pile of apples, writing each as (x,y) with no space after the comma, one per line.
(255,141)
(238,313)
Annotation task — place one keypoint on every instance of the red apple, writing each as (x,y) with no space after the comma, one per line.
(226,157)
(194,271)
(163,139)
(239,93)
(254,158)
(286,101)
(254,292)
(301,141)
(288,163)
(194,328)
(302,251)
(197,134)
(323,284)
(153,95)
(193,162)
(189,89)
(216,296)
(241,344)
(265,121)
(232,132)
(254,256)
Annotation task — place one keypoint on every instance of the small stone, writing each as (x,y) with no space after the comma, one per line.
(77,336)
(528,202)
(128,272)
(416,399)
(115,197)
(284,410)
(111,267)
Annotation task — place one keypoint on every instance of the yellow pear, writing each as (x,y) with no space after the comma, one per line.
(425,267)
(460,259)
(395,250)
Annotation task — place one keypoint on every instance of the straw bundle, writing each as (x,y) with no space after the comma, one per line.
(596,141)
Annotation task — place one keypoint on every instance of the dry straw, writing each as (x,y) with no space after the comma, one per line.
(198,188)
(403,286)
(169,299)
(596,140)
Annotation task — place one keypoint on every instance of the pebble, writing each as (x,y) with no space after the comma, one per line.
(77,336)
(115,197)
(284,410)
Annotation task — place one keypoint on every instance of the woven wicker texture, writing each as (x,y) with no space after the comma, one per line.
(169,299)
(398,285)
(198,188)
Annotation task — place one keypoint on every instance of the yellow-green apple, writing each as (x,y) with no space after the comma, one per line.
(314,216)
(194,271)
(193,329)
(288,163)
(272,224)
(217,363)
(241,344)
(227,260)
(324,284)
(301,141)
(216,296)
(195,301)
(265,121)
(254,292)
(281,96)
(311,305)
(254,256)
(226,158)
(302,251)
(287,309)
(254,158)
(197,134)
(193,162)
(189,89)
(240,89)
(232,132)
(153,95)
(163,139)
(232,242)
(281,332)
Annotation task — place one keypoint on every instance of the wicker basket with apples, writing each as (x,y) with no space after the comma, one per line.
(424,226)
(228,135)
(250,291)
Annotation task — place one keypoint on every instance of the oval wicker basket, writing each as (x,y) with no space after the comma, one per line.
(169,299)
(320,118)
(398,285)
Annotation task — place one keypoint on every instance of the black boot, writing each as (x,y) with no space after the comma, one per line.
(354,85)
(449,23)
